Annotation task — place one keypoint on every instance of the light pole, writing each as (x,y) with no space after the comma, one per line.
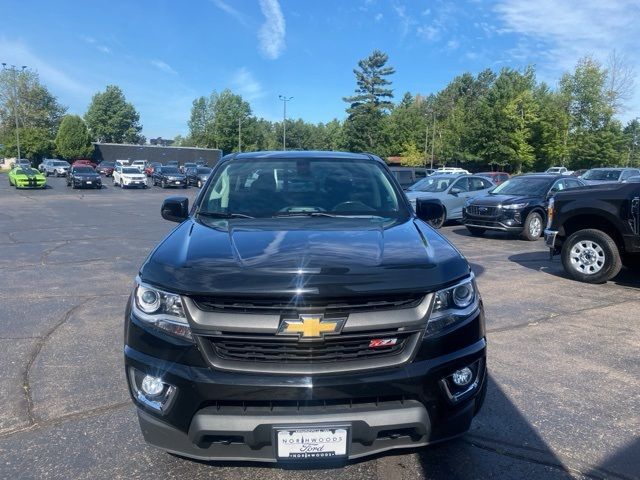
(284,121)
(14,94)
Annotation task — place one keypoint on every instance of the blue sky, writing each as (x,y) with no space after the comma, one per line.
(164,53)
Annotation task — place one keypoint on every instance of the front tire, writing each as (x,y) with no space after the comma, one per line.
(532,227)
(163,183)
(591,256)
(438,222)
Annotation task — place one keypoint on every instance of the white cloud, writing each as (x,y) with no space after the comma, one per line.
(378,17)
(406,21)
(453,44)
(247,85)
(164,66)
(18,53)
(228,9)
(273,30)
(574,28)
(103,49)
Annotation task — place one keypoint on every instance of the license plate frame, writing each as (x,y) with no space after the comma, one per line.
(316,451)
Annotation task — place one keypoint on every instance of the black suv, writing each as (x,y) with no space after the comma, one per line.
(596,230)
(168,176)
(83,176)
(518,205)
(300,311)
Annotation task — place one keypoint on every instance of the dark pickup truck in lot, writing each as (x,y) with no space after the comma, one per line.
(302,311)
(596,230)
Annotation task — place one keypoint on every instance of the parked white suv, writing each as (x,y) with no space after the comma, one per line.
(128,177)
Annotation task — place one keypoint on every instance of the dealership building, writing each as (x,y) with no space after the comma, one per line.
(154,153)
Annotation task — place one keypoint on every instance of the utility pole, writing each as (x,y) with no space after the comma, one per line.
(14,94)
(433,138)
(426,140)
(284,119)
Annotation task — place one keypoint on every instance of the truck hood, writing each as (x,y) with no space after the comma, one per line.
(308,256)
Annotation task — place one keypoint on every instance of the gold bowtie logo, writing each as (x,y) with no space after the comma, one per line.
(310,326)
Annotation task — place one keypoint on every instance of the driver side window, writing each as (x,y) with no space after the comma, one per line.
(462,184)
(557,187)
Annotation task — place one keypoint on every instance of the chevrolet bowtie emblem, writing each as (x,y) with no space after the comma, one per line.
(310,326)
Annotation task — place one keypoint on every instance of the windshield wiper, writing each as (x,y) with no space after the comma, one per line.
(223,215)
(326,214)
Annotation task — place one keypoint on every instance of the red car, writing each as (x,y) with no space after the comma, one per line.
(495,177)
(84,161)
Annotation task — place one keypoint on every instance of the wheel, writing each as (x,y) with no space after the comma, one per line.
(532,227)
(163,183)
(475,231)
(46,173)
(591,256)
(437,223)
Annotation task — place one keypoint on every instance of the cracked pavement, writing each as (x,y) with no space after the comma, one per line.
(564,363)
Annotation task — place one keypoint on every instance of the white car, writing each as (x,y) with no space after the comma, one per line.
(451,171)
(140,165)
(559,170)
(129,177)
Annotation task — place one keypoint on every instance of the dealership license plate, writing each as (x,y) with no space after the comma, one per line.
(88,183)
(312,443)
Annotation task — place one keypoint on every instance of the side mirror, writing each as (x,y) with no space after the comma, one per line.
(175,209)
(455,191)
(429,209)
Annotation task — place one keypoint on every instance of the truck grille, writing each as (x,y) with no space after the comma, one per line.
(287,306)
(271,349)
(480,211)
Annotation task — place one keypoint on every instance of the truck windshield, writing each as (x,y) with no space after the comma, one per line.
(302,187)
(523,186)
(611,175)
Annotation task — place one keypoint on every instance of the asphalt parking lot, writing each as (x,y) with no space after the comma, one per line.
(563,399)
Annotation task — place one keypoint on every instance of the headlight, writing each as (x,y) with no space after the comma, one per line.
(453,305)
(160,309)
(550,211)
(514,206)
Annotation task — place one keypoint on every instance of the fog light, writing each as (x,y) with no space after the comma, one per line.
(152,386)
(460,377)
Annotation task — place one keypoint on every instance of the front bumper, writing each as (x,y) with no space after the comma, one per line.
(550,238)
(493,224)
(31,183)
(87,184)
(134,183)
(226,415)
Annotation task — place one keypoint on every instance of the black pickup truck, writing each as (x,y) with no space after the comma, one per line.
(596,230)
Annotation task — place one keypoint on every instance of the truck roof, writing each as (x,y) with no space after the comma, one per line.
(295,154)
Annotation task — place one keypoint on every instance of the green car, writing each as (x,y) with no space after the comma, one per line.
(26,177)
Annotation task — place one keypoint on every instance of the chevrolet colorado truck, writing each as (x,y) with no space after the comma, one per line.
(302,311)
(596,230)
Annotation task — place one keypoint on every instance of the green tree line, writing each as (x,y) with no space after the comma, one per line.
(506,120)
(46,130)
